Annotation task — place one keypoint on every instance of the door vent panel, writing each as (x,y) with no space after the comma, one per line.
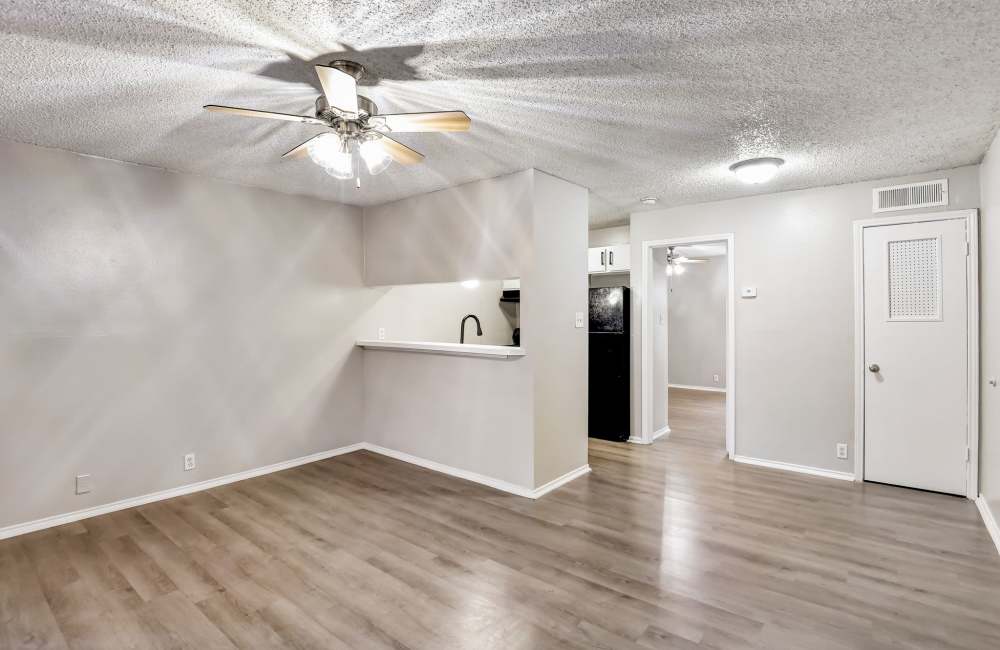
(915,279)
(912,195)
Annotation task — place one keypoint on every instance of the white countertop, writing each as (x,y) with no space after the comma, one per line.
(457,349)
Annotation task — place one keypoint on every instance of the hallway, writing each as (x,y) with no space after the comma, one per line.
(698,417)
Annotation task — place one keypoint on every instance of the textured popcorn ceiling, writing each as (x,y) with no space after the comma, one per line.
(626,98)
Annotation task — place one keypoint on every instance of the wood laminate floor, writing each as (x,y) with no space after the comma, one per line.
(669,546)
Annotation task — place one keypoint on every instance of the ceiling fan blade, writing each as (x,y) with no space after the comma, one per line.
(300,151)
(425,122)
(249,112)
(340,88)
(690,260)
(400,152)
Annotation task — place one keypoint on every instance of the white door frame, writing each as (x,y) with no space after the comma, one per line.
(971,218)
(645,359)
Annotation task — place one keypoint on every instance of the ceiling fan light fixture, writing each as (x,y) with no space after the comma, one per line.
(358,127)
(756,170)
(333,154)
(375,156)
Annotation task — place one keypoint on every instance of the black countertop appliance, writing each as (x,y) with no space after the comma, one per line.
(610,363)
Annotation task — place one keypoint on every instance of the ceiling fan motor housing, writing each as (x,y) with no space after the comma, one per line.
(352,68)
(366,108)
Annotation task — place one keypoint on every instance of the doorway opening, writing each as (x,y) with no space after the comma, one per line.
(688,343)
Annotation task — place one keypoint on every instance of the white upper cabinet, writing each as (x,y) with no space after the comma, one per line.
(597,260)
(609,259)
(619,258)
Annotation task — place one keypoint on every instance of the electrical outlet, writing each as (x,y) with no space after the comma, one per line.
(83,484)
(189,463)
(381,334)
(842,450)
(715,378)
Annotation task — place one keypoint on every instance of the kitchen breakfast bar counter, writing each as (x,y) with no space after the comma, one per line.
(463,409)
(458,349)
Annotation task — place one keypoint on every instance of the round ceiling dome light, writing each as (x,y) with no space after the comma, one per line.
(648,200)
(756,170)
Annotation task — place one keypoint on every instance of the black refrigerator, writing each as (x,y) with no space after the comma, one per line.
(609,374)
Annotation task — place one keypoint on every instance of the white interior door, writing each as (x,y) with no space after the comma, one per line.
(916,355)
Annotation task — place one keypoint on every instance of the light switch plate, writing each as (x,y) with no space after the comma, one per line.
(580,319)
(83,484)
(749,292)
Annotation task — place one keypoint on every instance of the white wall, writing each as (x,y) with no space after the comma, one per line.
(434,312)
(660,313)
(794,342)
(147,314)
(697,321)
(989,278)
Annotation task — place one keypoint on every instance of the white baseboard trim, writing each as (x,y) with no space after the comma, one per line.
(637,441)
(989,520)
(69,517)
(86,513)
(710,389)
(495,483)
(791,467)
(560,481)
(659,433)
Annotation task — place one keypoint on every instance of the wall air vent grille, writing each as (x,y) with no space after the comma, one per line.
(912,195)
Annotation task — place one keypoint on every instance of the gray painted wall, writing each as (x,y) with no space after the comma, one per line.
(608,236)
(147,314)
(598,280)
(476,230)
(794,342)
(989,277)
(434,312)
(554,290)
(472,413)
(697,320)
(528,225)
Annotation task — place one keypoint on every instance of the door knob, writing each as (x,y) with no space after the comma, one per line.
(874,367)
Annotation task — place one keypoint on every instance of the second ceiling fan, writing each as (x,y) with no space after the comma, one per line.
(356,126)
(676,261)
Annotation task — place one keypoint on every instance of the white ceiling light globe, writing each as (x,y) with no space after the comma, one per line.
(756,170)
(332,154)
(375,156)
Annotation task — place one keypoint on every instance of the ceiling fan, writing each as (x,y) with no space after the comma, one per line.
(356,126)
(676,261)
